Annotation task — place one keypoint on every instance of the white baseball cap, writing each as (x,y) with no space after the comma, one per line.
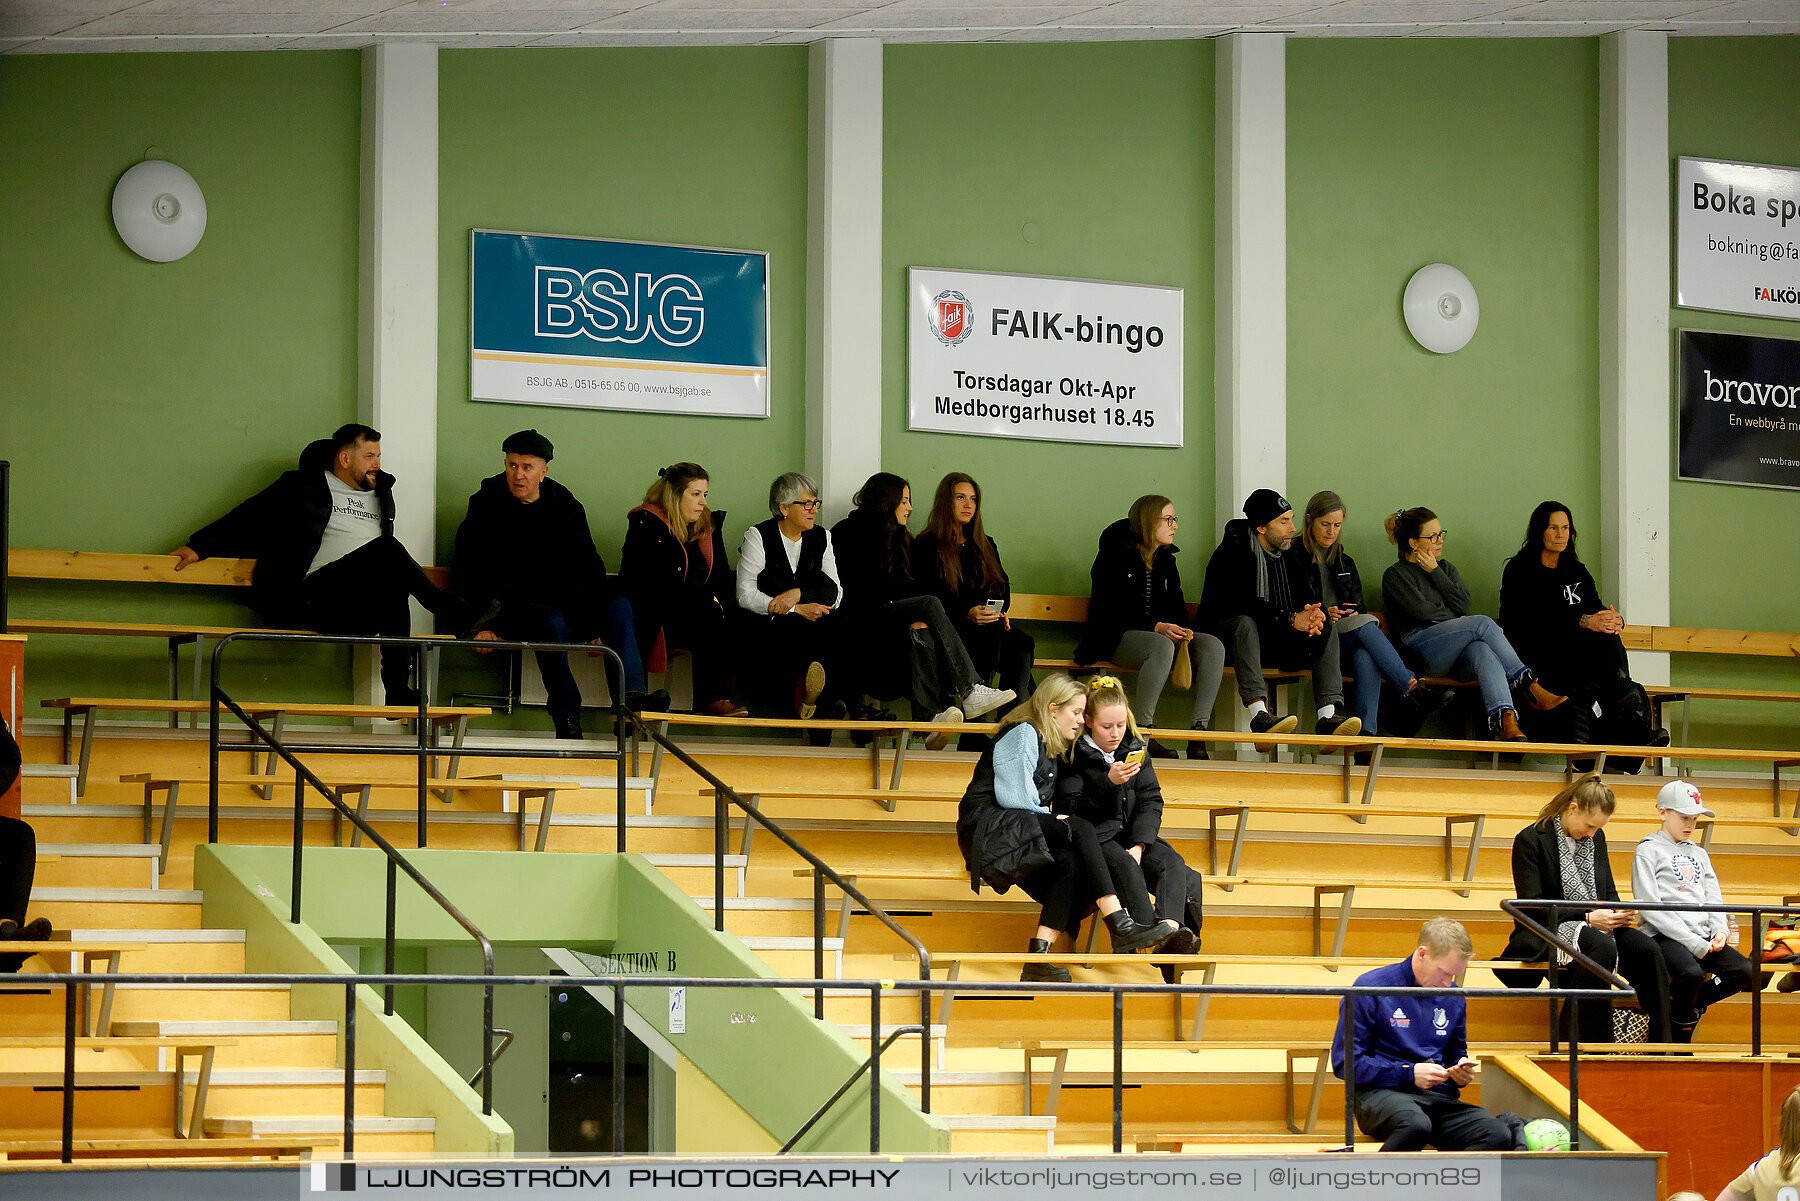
(1682,797)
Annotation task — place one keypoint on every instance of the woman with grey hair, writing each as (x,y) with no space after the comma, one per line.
(788,586)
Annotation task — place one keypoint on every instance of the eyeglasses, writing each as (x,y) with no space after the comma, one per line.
(811,506)
(1169,520)
(1437,537)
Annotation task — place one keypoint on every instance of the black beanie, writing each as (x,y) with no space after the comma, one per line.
(1265,505)
(529,442)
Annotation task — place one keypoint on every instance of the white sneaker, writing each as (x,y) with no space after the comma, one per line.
(939,739)
(982,699)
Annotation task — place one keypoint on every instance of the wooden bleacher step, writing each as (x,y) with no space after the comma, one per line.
(53,771)
(172,1029)
(995,1133)
(321,1124)
(791,955)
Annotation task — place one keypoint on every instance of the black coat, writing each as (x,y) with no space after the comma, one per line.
(1129,813)
(1127,595)
(1346,580)
(1537,872)
(281,528)
(1002,846)
(1539,609)
(970,590)
(10,759)
(860,543)
(540,553)
(661,577)
(1230,586)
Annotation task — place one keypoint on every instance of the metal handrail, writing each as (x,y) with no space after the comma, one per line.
(850,1082)
(724,794)
(500,1050)
(396,862)
(1517,907)
(72,982)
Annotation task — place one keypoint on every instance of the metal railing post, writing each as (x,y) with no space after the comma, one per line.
(618,1066)
(1349,1007)
(1575,1073)
(619,727)
(721,840)
(875,1068)
(819,944)
(68,1097)
(1755,957)
(1118,1071)
(393,892)
(349,1068)
(299,845)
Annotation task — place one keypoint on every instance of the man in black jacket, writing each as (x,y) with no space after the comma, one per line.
(1259,601)
(525,543)
(326,556)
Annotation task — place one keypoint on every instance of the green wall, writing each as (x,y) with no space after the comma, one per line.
(702,146)
(1725,569)
(142,399)
(1480,153)
(1090,160)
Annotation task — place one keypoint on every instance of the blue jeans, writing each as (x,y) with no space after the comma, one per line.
(1371,658)
(529,622)
(1471,646)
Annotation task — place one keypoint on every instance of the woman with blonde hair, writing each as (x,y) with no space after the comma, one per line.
(1562,857)
(1138,618)
(675,572)
(1009,835)
(1776,1176)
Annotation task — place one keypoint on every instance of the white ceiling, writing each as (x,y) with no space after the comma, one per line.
(90,26)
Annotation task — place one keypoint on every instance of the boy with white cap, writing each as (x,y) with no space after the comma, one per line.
(1669,867)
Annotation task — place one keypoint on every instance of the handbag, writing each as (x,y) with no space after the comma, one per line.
(1181,674)
(1630,1025)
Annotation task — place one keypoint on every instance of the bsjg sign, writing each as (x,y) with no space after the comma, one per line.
(1737,238)
(1030,356)
(1740,409)
(596,323)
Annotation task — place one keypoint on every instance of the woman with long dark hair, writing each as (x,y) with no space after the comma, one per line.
(1552,613)
(675,572)
(1138,618)
(911,645)
(955,561)
(1428,610)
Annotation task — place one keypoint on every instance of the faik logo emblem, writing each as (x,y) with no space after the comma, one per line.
(1439,1020)
(952,317)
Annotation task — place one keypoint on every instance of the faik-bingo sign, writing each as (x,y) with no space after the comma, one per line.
(596,323)
(1032,356)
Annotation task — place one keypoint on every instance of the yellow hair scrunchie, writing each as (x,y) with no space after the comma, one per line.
(1097,682)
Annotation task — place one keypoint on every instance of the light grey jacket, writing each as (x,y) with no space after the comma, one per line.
(1678,873)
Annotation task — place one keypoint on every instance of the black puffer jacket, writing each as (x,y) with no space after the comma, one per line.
(1002,846)
(281,528)
(1126,595)
(1128,813)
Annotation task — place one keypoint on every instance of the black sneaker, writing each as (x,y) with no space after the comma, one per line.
(1264,722)
(648,702)
(1341,726)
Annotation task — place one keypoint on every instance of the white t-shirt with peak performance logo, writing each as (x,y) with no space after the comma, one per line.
(355,521)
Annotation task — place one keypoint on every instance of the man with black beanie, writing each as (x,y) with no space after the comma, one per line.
(525,542)
(1259,601)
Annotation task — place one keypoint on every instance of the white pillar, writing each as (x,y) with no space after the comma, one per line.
(398,317)
(1636,424)
(843,268)
(1250,268)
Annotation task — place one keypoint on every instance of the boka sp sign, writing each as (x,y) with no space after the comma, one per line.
(1737,238)
(599,323)
(1030,356)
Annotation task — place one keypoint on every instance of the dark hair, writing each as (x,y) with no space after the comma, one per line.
(349,435)
(950,536)
(1404,526)
(1539,521)
(1145,516)
(880,495)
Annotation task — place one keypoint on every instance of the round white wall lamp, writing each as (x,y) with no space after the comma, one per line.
(1441,308)
(159,211)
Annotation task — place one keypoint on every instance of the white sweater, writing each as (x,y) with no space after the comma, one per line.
(1678,873)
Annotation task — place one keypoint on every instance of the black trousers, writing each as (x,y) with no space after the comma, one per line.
(699,628)
(18,865)
(783,648)
(1630,952)
(995,650)
(1408,1119)
(930,667)
(365,592)
(1068,888)
(1163,872)
(1692,983)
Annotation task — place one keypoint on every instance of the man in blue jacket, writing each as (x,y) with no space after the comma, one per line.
(1411,1061)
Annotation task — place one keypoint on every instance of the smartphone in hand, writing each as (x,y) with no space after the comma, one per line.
(1137,756)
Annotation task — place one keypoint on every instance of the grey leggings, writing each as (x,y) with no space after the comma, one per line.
(1153,656)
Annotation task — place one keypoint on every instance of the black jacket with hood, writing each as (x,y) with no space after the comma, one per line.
(281,528)
(537,553)
(1129,813)
(1230,587)
(1127,595)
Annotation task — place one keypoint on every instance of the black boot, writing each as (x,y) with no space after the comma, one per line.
(1197,750)
(567,725)
(1682,1032)
(1128,936)
(1043,973)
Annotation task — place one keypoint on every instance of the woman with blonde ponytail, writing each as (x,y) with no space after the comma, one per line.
(1776,1176)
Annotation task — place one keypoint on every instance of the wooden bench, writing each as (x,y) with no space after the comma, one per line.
(277,712)
(39,1150)
(543,788)
(187,1125)
(86,956)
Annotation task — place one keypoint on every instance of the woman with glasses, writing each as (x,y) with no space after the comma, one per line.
(1137,617)
(957,562)
(1428,611)
(787,582)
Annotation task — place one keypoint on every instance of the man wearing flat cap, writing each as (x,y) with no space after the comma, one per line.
(525,542)
(1261,601)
